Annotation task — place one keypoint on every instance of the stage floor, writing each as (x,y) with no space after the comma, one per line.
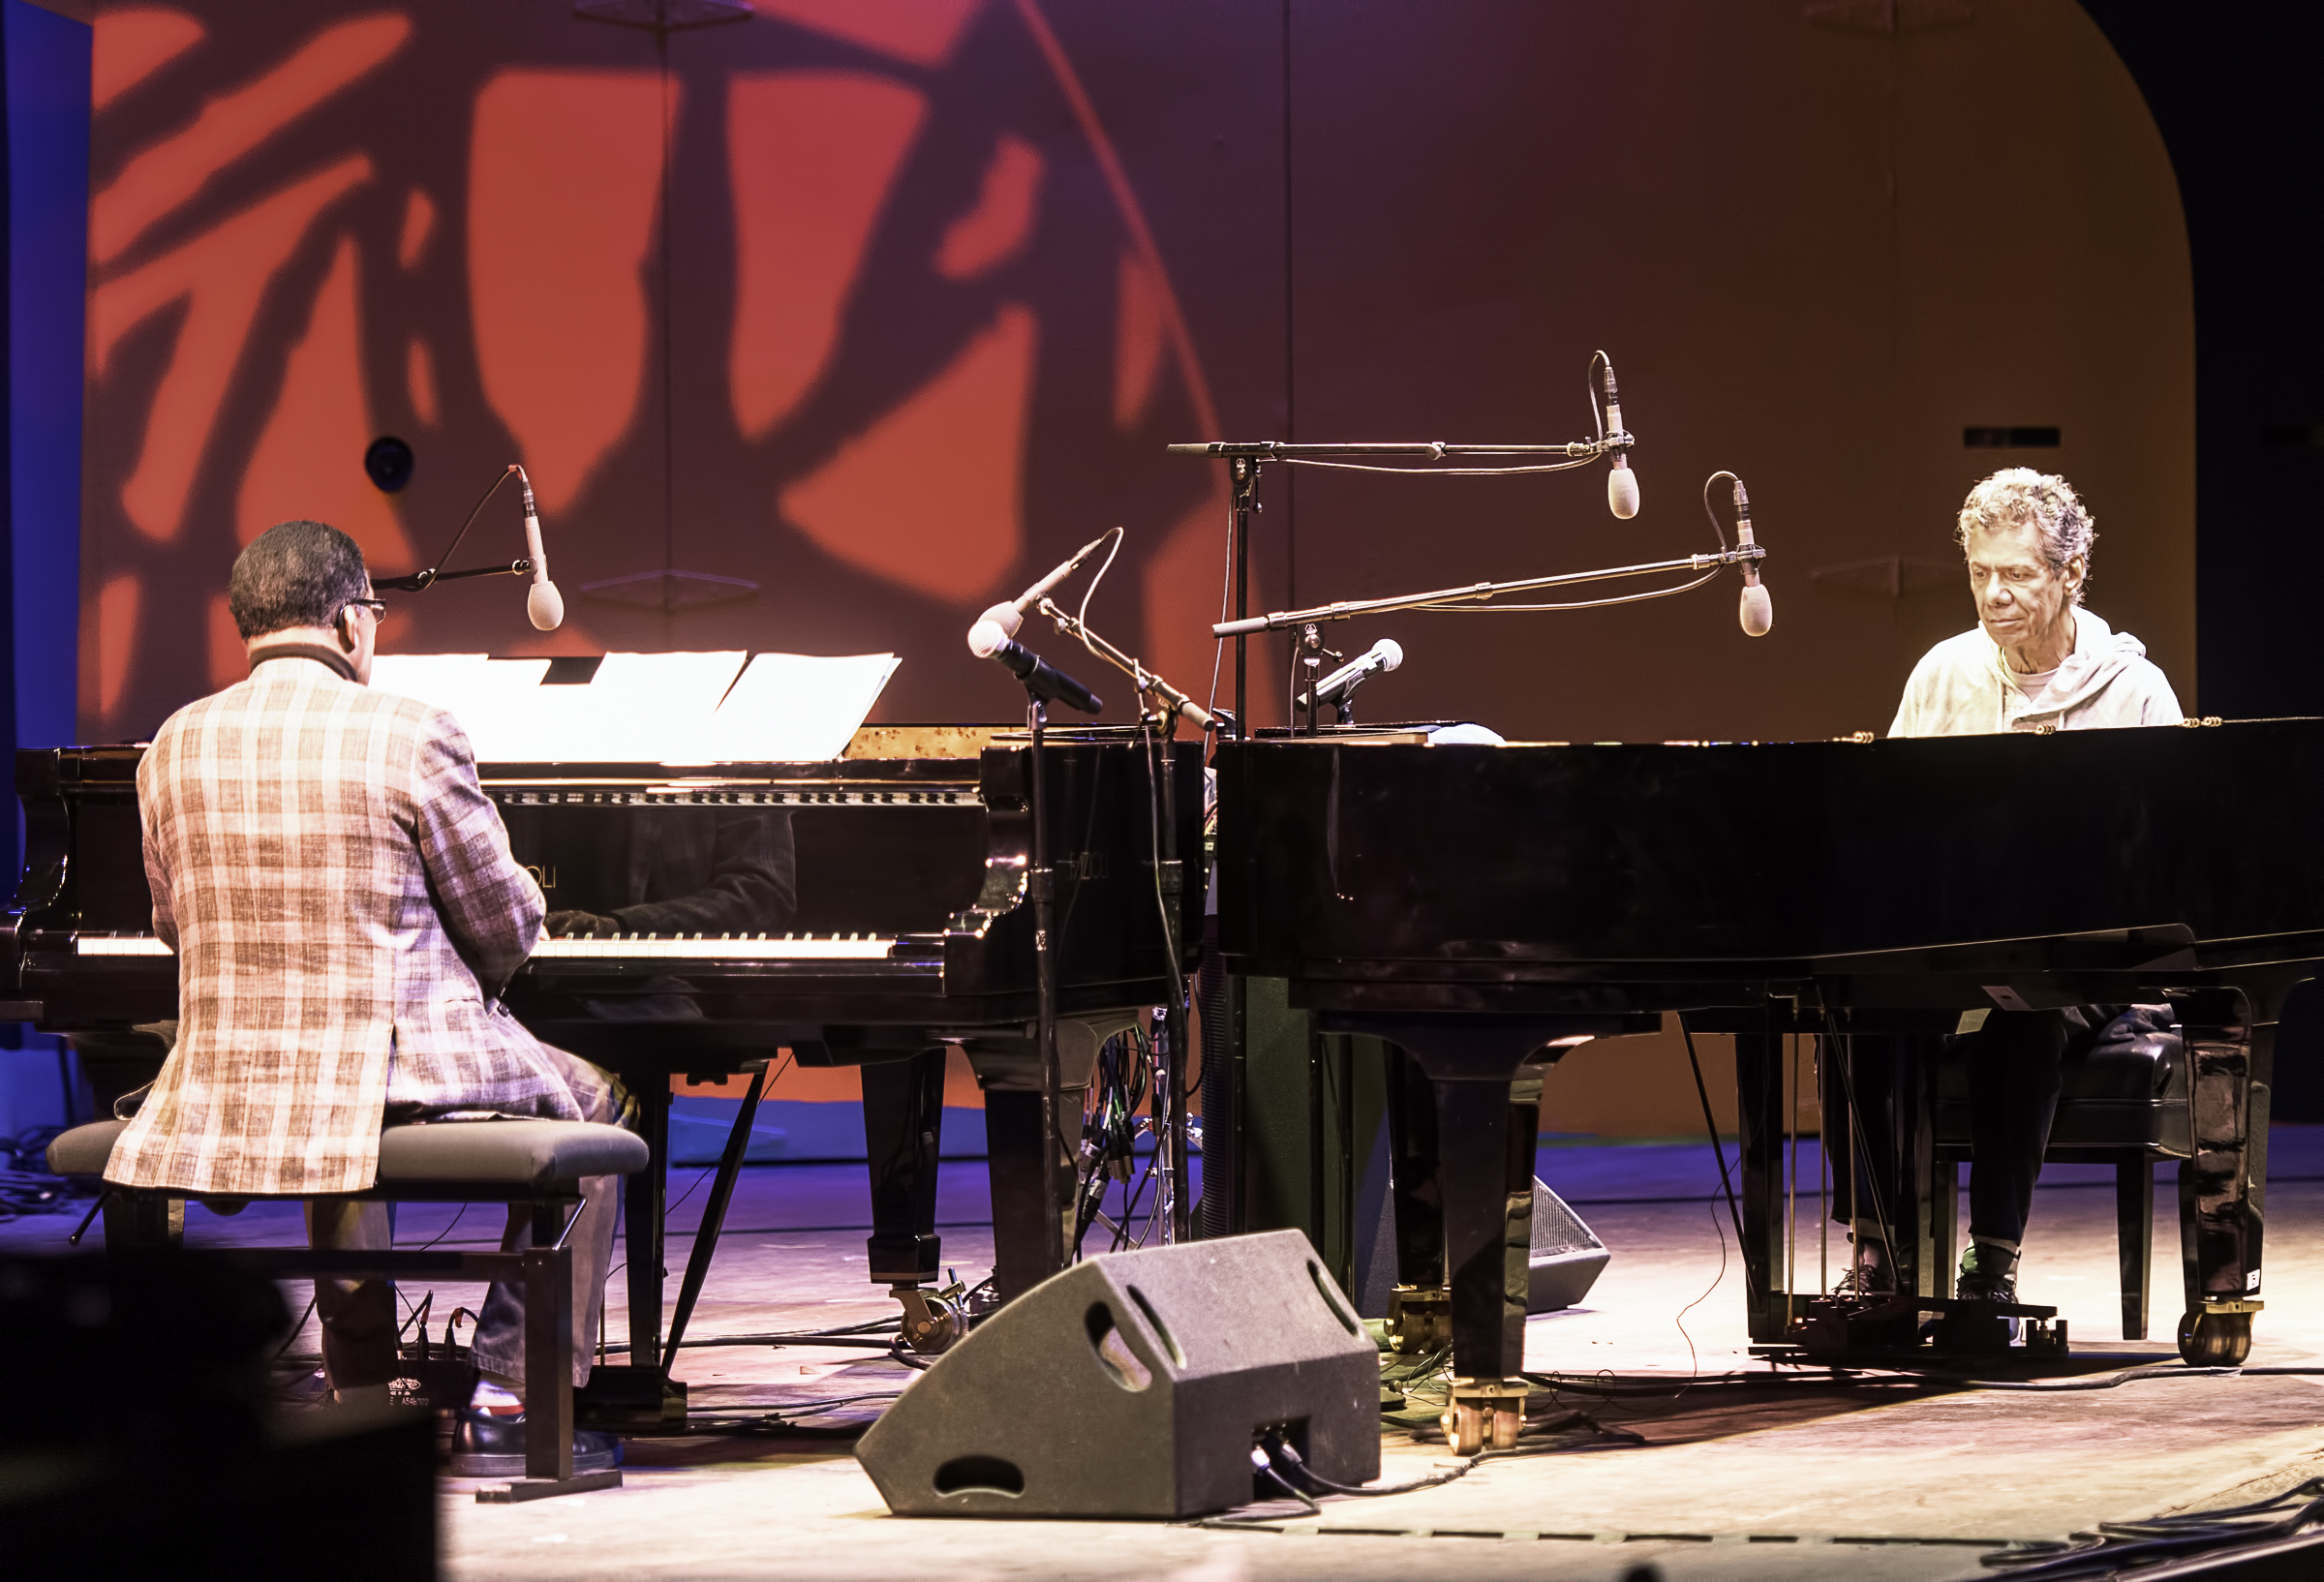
(1781,1481)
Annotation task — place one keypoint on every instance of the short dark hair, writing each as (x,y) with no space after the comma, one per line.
(295,574)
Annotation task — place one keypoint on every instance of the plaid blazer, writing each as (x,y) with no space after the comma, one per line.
(344,910)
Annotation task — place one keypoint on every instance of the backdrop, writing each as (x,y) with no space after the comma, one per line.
(821,329)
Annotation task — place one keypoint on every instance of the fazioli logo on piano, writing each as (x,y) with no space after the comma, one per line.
(543,874)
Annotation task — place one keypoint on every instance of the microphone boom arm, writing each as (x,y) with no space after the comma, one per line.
(1148,683)
(1346,609)
(418,580)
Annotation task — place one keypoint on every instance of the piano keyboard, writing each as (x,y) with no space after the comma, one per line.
(720,948)
(700,948)
(120,945)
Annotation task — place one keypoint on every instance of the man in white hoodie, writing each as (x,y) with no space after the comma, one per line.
(2036,662)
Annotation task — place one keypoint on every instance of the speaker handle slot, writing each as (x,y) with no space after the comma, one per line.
(1114,1353)
(1330,1293)
(1154,1321)
(980,1475)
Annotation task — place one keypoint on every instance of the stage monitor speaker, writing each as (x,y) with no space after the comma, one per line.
(1135,1384)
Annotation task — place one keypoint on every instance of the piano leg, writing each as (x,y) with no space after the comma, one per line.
(2221,1189)
(1760,1118)
(1013,1154)
(1484,1172)
(904,1128)
(645,1195)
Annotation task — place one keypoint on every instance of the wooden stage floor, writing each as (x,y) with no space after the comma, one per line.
(1775,1480)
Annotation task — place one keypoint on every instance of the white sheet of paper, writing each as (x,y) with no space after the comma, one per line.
(648,707)
(795,708)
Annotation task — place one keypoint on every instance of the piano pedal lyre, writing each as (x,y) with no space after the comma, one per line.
(933,1320)
(1484,1414)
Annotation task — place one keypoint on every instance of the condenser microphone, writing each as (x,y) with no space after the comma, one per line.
(1384,655)
(1621,483)
(1755,611)
(543,604)
(987,640)
(1009,613)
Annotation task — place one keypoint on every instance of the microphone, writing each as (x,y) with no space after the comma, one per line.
(1621,483)
(1755,611)
(1334,689)
(987,640)
(1009,613)
(543,604)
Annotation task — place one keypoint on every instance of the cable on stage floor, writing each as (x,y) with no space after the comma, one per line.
(2114,1544)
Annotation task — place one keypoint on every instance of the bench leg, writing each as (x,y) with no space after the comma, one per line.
(549,1362)
(2135,1236)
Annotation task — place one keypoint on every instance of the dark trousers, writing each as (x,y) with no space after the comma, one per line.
(2013,1065)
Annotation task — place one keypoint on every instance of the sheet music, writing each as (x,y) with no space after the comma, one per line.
(648,707)
(795,708)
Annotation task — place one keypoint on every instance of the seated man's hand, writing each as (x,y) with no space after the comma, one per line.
(580,925)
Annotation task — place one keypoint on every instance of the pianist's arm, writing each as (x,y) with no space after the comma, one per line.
(489,903)
(165,914)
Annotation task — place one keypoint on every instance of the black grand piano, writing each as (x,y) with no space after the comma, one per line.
(1472,904)
(865,911)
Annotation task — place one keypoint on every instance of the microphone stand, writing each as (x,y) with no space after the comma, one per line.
(1169,705)
(1043,881)
(1245,457)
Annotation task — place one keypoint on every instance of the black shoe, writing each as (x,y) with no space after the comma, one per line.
(1871,1274)
(485,1445)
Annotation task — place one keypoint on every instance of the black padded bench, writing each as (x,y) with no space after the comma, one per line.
(539,1163)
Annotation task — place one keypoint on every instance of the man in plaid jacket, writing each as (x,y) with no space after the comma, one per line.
(344,910)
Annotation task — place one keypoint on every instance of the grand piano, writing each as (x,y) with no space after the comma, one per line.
(1473,905)
(868,911)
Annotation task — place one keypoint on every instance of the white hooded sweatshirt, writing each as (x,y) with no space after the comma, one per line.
(1962,686)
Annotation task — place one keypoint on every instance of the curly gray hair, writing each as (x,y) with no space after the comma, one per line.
(2018,497)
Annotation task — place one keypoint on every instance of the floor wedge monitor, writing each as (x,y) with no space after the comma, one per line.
(1135,1384)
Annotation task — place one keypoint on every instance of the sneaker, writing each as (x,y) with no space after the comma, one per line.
(491,1444)
(1872,1274)
(1988,1274)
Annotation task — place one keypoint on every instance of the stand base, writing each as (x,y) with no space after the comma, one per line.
(627,1399)
(548,1488)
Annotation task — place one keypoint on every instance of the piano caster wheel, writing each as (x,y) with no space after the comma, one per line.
(1484,1414)
(2215,1340)
(933,1320)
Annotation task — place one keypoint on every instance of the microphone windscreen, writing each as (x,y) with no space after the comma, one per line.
(545,606)
(1621,490)
(1006,616)
(1390,651)
(986,637)
(1756,612)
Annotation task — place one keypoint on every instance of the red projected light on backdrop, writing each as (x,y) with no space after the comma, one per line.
(796,302)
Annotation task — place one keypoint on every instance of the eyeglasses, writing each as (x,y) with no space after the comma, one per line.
(377,606)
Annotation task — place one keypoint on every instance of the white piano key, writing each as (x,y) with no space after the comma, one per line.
(120,945)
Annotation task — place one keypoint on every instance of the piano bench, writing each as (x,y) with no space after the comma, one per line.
(538,1163)
(2124,1105)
